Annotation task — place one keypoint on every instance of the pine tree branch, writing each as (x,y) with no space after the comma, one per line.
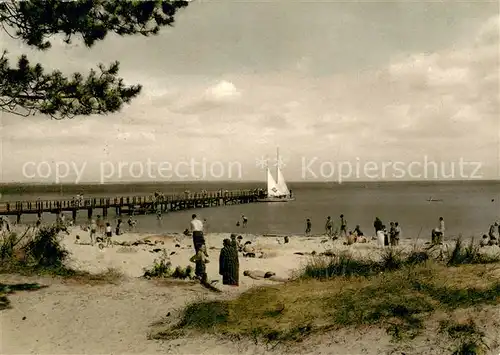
(27,89)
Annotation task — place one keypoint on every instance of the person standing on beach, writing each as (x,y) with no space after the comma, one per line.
(377,224)
(397,233)
(109,233)
(100,224)
(245,221)
(228,268)
(197,230)
(392,232)
(38,221)
(93,231)
(118,227)
(308,226)
(158,212)
(236,260)
(343,226)
(131,223)
(441,226)
(328,226)
(381,237)
(493,231)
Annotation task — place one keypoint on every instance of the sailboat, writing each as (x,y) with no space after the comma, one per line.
(277,191)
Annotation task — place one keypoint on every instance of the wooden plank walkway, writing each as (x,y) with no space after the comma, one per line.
(130,204)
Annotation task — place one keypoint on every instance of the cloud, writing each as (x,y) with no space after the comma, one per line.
(443,103)
(224,90)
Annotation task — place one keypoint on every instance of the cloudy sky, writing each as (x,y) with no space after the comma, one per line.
(327,82)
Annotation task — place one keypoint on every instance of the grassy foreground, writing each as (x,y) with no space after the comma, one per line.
(397,294)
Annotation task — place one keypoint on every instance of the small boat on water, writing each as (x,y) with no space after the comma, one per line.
(277,190)
(430,199)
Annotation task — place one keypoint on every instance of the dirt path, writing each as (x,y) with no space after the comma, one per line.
(67,318)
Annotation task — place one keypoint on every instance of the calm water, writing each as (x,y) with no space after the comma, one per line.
(467,207)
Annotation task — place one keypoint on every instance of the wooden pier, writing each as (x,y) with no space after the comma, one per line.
(130,205)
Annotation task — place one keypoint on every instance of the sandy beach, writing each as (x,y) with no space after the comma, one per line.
(71,318)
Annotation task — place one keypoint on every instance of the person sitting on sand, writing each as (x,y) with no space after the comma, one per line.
(109,233)
(493,241)
(351,238)
(485,241)
(201,259)
(358,231)
(93,231)
(248,250)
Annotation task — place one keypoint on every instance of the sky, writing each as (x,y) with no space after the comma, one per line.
(347,91)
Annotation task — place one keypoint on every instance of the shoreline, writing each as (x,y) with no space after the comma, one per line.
(131,254)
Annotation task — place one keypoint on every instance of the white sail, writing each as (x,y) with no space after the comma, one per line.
(283,189)
(272,188)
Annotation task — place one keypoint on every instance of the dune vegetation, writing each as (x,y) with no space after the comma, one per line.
(399,293)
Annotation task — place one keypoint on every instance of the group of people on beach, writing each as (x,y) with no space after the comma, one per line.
(228,258)
(492,238)
(385,237)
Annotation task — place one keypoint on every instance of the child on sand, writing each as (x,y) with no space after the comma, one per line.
(109,233)
(201,259)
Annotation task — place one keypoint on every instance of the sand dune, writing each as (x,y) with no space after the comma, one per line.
(114,319)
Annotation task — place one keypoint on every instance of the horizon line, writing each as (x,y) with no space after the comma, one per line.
(144,182)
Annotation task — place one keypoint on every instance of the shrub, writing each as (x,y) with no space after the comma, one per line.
(323,267)
(45,249)
(162,268)
(469,254)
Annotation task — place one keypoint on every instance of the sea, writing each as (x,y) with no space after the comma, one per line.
(468,207)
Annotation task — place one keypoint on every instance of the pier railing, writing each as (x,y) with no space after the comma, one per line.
(19,207)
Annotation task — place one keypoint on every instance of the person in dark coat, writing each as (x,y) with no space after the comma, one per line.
(378,225)
(234,244)
(228,264)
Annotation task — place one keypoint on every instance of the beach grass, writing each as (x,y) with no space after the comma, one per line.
(398,293)
(43,254)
